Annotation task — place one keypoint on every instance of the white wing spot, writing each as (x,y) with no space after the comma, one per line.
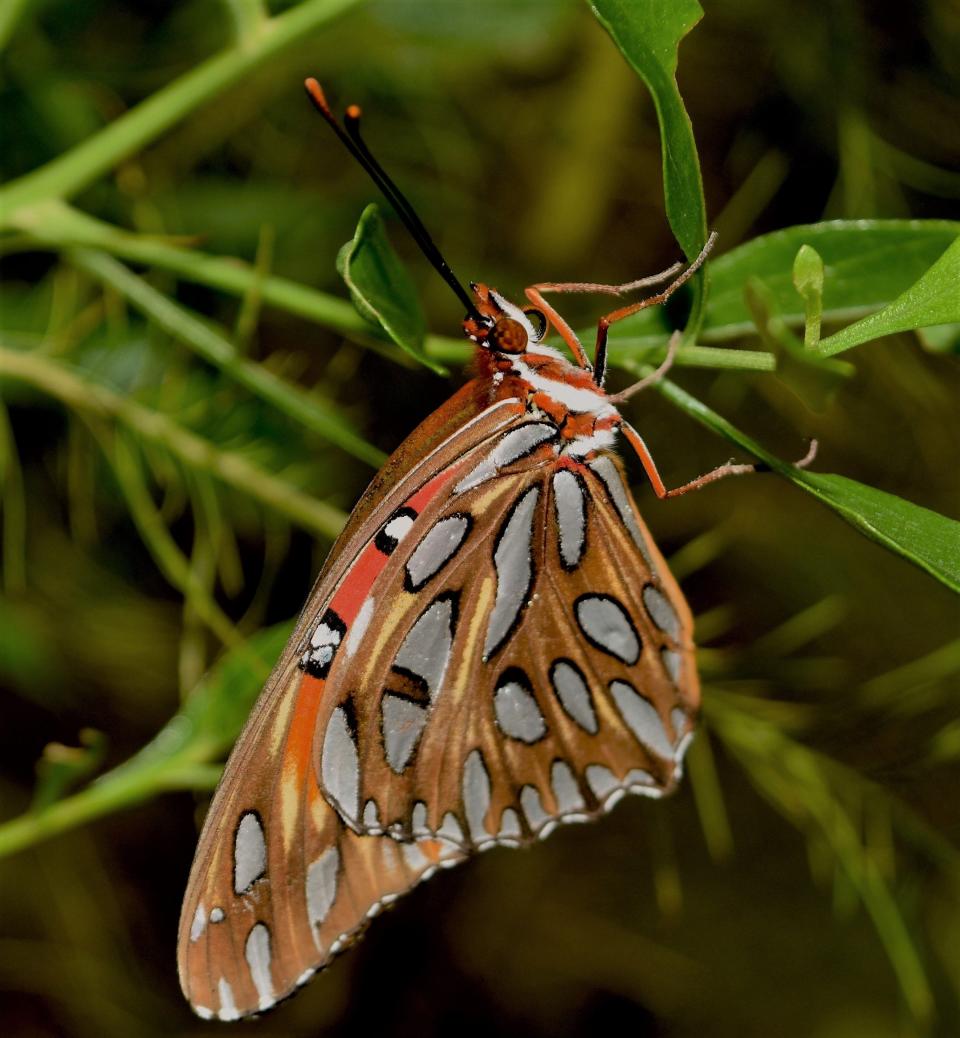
(257,953)
(403,721)
(516,710)
(249,852)
(672,661)
(340,765)
(601,780)
(450,829)
(359,626)
(199,923)
(438,547)
(607,471)
(565,788)
(661,610)
(574,694)
(509,826)
(371,816)
(399,527)
(571,508)
(476,795)
(228,1008)
(533,808)
(321,885)
(642,718)
(606,624)
(513,561)
(426,649)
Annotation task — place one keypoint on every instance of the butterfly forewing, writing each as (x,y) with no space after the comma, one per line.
(532,660)
(279,884)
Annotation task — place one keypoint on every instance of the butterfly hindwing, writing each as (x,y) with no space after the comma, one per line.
(532,661)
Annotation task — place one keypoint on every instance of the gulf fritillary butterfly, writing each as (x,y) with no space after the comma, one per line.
(494,646)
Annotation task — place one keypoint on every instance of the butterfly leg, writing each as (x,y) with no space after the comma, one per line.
(535,294)
(654,376)
(720,472)
(603,325)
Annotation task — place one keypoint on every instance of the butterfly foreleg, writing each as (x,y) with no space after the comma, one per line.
(603,325)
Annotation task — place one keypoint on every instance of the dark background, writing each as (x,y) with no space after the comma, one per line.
(532,152)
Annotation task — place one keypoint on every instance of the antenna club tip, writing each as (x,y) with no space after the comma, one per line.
(354,112)
(316,93)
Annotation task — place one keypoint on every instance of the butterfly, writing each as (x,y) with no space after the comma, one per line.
(495,646)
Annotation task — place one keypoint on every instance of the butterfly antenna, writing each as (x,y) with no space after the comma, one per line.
(349,135)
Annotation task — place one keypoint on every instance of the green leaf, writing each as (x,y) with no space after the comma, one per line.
(925,538)
(813,379)
(648,33)
(867,264)
(381,288)
(928,539)
(934,299)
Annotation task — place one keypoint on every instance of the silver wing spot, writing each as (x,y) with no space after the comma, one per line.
(439,545)
(249,852)
(403,721)
(571,509)
(661,611)
(340,765)
(608,473)
(257,953)
(516,444)
(476,795)
(513,561)
(607,625)
(321,885)
(573,692)
(642,718)
(516,710)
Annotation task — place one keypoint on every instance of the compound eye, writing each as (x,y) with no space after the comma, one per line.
(538,319)
(508,336)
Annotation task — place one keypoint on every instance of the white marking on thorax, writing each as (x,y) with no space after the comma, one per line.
(581,446)
(579,399)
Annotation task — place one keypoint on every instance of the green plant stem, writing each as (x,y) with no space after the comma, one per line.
(57,225)
(119,789)
(88,397)
(11,11)
(306,408)
(86,162)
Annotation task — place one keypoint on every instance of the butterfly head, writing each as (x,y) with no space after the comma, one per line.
(502,327)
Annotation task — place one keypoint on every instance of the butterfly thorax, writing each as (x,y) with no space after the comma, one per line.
(511,354)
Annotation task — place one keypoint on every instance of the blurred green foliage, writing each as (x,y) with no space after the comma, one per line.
(190,405)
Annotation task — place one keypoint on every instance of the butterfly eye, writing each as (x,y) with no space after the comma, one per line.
(538,320)
(508,336)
